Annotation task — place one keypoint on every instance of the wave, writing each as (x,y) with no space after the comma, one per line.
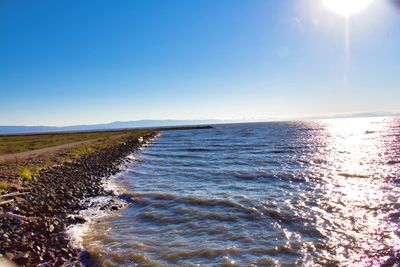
(162,218)
(353,175)
(110,184)
(204,253)
(269,176)
(196,195)
(94,212)
(172,155)
(97,207)
(251,212)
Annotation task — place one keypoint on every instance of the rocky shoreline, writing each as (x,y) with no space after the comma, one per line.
(35,218)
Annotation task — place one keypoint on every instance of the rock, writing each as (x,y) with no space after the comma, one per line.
(21,258)
(56,193)
(115,208)
(16,222)
(79,219)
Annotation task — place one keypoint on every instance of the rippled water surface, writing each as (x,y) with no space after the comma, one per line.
(267,194)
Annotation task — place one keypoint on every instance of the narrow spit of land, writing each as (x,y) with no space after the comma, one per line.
(43,179)
(37,152)
(24,155)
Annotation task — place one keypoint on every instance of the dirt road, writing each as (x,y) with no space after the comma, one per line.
(33,153)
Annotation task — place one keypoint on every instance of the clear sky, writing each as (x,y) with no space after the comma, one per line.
(70,62)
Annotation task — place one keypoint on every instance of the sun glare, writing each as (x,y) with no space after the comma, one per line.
(347,7)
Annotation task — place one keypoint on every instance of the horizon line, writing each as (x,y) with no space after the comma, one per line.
(227,120)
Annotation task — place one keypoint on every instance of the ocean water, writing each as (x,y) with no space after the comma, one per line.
(266,194)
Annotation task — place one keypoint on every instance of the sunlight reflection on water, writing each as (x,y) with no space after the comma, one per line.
(352,213)
(296,193)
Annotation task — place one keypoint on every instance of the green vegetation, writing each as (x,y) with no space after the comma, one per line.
(27,173)
(3,186)
(10,144)
(80,151)
(30,166)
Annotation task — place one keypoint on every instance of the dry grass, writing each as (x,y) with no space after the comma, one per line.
(21,143)
(3,186)
(27,169)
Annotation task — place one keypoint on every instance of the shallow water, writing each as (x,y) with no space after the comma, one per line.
(267,194)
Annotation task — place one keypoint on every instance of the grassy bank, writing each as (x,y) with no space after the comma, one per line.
(10,144)
(54,149)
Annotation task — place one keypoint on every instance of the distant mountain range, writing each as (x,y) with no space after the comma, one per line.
(106,126)
(168,123)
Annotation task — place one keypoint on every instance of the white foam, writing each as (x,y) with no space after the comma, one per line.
(110,185)
(131,157)
(94,212)
(76,232)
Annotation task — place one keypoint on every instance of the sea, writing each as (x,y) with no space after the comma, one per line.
(306,193)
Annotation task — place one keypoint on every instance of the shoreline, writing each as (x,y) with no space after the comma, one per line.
(35,231)
(98,207)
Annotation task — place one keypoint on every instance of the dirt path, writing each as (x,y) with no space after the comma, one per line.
(33,153)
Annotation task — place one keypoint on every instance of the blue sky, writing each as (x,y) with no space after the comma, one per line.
(71,62)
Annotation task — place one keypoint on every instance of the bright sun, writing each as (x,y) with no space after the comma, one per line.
(347,7)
